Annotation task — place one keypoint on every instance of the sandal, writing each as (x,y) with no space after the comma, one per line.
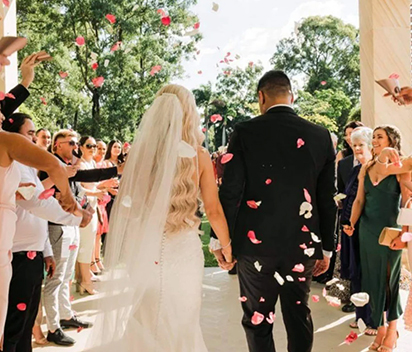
(371,331)
(384,348)
(93,266)
(354,325)
(374,346)
(99,264)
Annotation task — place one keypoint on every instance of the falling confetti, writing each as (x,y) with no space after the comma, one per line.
(46,194)
(261,300)
(257,318)
(252,237)
(161,12)
(361,325)
(72,247)
(116,46)
(309,252)
(394,76)
(226,158)
(111,18)
(302,279)
(196,25)
(2,96)
(305,228)
(21,307)
(315,238)
(6,3)
(300,143)
(127,202)
(80,41)
(323,83)
(303,246)
(360,299)
(98,81)
(31,255)
(307,195)
(298,302)
(339,247)
(63,75)
(11,120)
(289,278)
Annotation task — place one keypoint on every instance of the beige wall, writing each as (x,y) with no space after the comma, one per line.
(8,78)
(385,27)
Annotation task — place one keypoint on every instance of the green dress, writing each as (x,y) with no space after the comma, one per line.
(381,266)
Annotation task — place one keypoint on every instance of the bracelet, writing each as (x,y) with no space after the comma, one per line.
(230,242)
(380,162)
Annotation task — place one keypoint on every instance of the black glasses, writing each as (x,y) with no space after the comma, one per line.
(71,143)
(91,146)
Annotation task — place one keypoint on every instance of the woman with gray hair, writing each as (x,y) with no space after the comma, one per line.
(361,139)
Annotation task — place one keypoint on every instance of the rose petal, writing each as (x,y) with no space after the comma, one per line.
(226,158)
(324,292)
(252,236)
(339,247)
(46,194)
(309,252)
(261,300)
(253,204)
(299,268)
(127,202)
(251,64)
(215,118)
(63,74)
(303,246)
(204,129)
(71,298)
(258,266)
(43,100)
(155,69)
(394,76)
(353,336)
(215,7)
(199,72)
(116,46)
(161,12)
(166,21)
(307,195)
(185,150)
(257,318)
(279,278)
(305,229)
(302,279)
(315,298)
(196,25)
(27,192)
(268,181)
(31,255)
(323,83)
(298,302)
(289,278)
(10,96)
(80,41)
(360,299)
(11,120)
(300,143)
(72,247)
(21,307)
(271,318)
(106,63)
(243,299)
(315,238)
(98,81)
(79,329)
(361,325)
(2,96)
(94,66)
(111,18)
(6,3)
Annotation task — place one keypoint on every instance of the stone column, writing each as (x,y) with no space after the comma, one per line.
(385,29)
(9,76)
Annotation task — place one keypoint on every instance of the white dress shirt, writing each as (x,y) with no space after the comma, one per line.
(32,232)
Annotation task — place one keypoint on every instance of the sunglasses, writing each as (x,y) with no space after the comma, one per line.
(71,143)
(91,146)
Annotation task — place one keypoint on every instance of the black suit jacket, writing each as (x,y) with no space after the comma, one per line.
(345,167)
(265,148)
(9,105)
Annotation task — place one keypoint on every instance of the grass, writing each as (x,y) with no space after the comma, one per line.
(210,260)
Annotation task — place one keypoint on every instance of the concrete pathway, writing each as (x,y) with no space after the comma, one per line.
(221,315)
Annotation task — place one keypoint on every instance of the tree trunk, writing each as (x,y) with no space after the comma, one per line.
(95,128)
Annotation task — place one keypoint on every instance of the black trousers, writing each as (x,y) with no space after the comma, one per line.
(262,291)
(24,299)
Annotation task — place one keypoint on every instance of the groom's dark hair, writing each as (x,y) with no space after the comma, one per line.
(275,83)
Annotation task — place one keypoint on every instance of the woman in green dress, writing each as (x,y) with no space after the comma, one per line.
(377,205)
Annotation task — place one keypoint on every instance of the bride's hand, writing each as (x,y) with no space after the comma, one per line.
(227,254)
(223,264)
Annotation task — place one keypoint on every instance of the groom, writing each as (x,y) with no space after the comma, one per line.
(277,194)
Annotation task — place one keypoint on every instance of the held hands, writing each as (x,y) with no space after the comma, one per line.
(348,229)
(225,259)
(321,266)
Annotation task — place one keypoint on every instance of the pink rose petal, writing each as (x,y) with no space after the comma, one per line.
(394,76)
(298,302)
(315,298)
(2,96)
(46,194)
(11,120)
(302,279)
(353,336)
(261,300)
(31,255)
(215,118)
(43,101)
(271,318)
(10,96)
(300,143)
(98,81)
(204,129)
(94,66)
(252,204)
(21,307)
(307,195)
(323,83)
(251,64)
(116,46)
(155,69)
(6,3)
(80,41)
(299,268)
(252,236)
(72,247)
(305,229)
(303,246)
(63,74)
(196,25)
(243,299)
(71,298)
(226,158)
(161,12)
(257,318)
(111,18)
(268,181)
(339,247)
(324,292)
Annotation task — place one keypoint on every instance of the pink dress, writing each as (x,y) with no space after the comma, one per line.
(9,182)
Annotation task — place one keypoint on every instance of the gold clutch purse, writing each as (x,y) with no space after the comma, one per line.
(387,235)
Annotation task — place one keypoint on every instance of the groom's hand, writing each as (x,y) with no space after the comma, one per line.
(223,264)
(321,266)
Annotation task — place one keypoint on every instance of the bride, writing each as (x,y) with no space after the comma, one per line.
(154,291)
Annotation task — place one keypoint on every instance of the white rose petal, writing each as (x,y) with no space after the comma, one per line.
(27,192)
(361,325)
(258,266)
(279,279)
(127,202)
(360,299)
(315,238)
(289,278)
(309,252)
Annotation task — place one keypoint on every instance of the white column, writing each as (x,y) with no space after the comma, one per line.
(9,76)
(385,29)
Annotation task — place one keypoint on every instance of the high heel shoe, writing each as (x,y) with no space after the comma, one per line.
(384,348)
(93,266)
(87,288)
(375,345)
(99,264)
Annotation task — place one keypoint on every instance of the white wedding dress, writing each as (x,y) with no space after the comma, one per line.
(154,289)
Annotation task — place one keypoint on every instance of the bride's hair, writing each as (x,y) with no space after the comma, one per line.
(184,197)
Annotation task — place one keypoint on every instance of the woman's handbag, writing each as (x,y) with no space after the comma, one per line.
(405,215)
(388,234)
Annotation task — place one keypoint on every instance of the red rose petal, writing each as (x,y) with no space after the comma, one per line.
(31,255)
(98,81)
(300,143)
(111,18)
(79,329)
(196,25)
(315,298)
(21,307)
(257,318)
(252,204)
(11,120)
(307,195)
(215,118)
(226,158)
(72,247)
(6,3)
(299,268)
(353,336)
(94,66)
(305,229)
(46,194)
(252,236)
(80,41)
(166,21)
(156,263)
(268,181)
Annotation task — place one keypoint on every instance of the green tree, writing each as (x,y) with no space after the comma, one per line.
(325,50)
(125,53)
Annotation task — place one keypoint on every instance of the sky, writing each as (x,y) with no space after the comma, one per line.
(251,29)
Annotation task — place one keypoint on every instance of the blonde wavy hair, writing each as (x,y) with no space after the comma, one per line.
(185,201)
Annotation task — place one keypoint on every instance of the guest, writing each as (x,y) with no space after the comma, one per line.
(31,247)
(88,234)
(15,147)
(43,138)
(347,150)
(380,265)
(350,253)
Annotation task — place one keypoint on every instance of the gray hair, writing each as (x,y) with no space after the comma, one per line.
(363,134)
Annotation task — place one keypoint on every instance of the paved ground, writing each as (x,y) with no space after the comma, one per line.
(221,314)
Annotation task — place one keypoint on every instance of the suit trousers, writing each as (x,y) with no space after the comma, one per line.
(261,291)
(64,241)
(24,298)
